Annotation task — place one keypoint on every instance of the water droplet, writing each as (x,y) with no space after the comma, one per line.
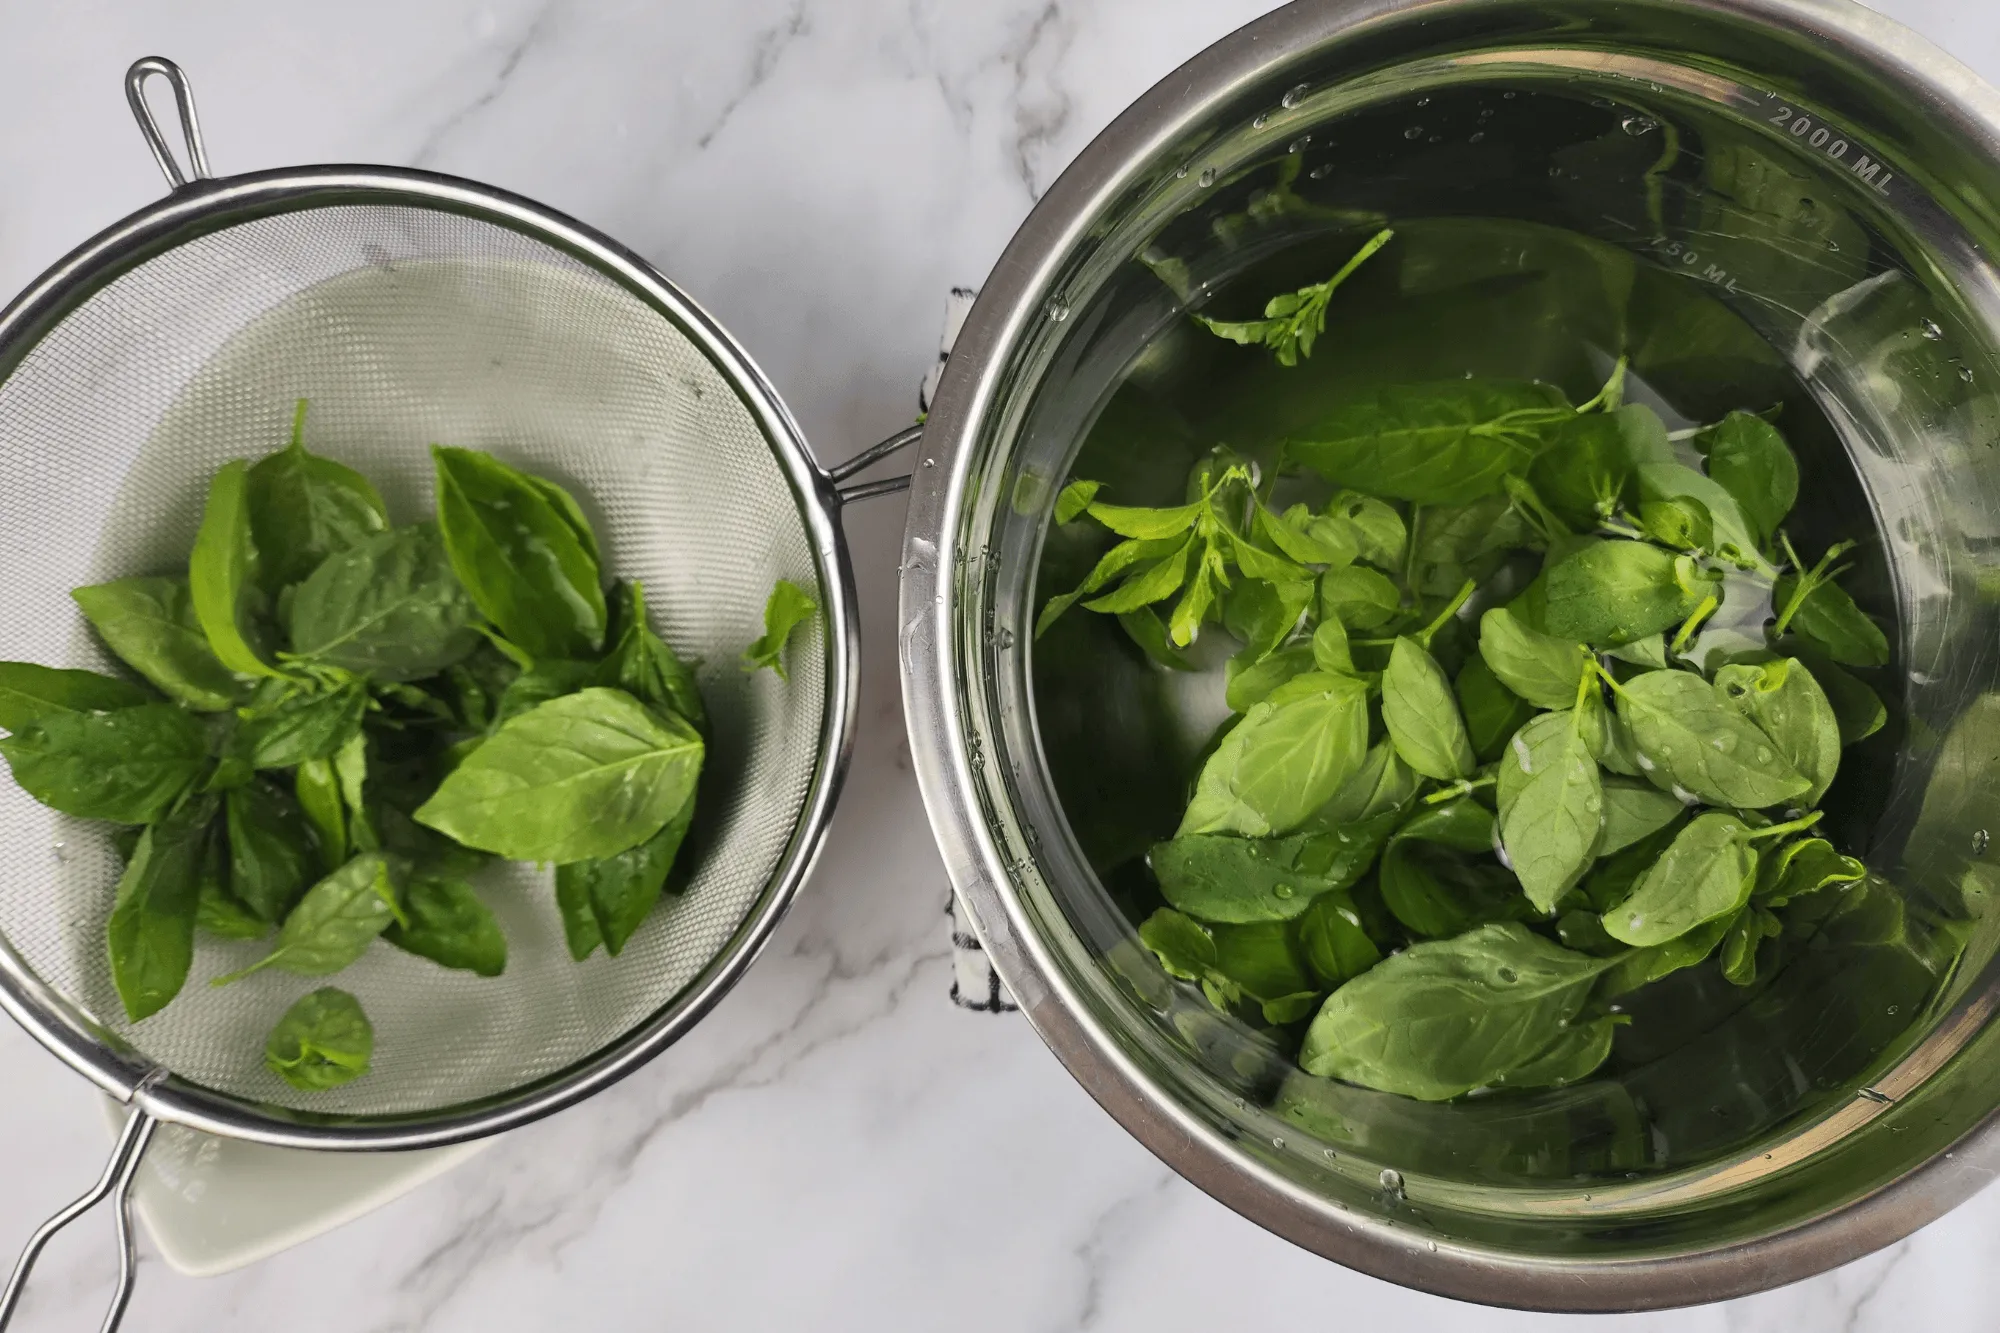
(1003,639)
(1261,121)
(1586,1198)
(1328,1153)
(1980,839)
(1282,890)
(1965,373)
(1207,177)
(1833,245)
(1638,125)
(1555,173)
(1509,95)
(930,462)
(1415,131)
(1295,96)
(61,850)
(1894,1008)
(1239,1103)
(1277,1142)
(1763,754)
(1433,1244)
(1180,173)
(1321,172)
(1392,1181)
(1486,113)
(1298,145)
(1056,309)
(1930,329)
(1423,101)
(1508,975)
(1477,135)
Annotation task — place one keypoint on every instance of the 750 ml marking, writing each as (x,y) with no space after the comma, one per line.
(1836,148)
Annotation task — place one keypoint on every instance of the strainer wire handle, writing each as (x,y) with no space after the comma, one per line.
(135,95)
(117,1178)
(869,457)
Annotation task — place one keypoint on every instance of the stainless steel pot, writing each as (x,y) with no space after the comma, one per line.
(1865,265)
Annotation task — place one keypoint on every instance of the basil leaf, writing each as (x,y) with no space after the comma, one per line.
(29,692)
(298,727)
(1334,943)
(1358,598)
(317,787)
(641,664)
(788,607)
(1748,458)
(542,682)
(1376,528)
(1382,783)
(449,925)
(1856,707)
(1583,931)
(1148,524)
(1829,619)
(152,626)
(518,555)
(271,854)
(1611,880)
(1589,471)
(1688,736)
(334,923)
(1155,584)
(304,508)
(1706,873)
(584,776)
(322,1041)
(1649,652)
(127,767)
(1263,615)
(1545,670)
(619,892)
(390,608)
(1287,757)
(579,919)
(151,931)
(1422,714)
(1787,705)
(1747,929)
(1330,651)
(1218,878)
(1248,681)
(218,912)
(1259,961)
(1145,628)
(1570,1058)
(1113,563)
(1551,807)
(1493,713)
(1669,480)
(1642,967)
(1435,894)
(1436,444)
(570,512)
(1682,523)
(1612,592)
(1633,812)
(1447,1016)
(350,770)
(1457,542)
(223,573)
(1184,947)
(1074,498)
(1803,867)
(1608,736)
(1304,539)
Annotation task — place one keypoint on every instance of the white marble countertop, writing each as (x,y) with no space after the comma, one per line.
(837,1147)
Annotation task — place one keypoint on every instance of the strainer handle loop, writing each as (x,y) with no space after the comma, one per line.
(117,1178)
(135,94)
(868,458)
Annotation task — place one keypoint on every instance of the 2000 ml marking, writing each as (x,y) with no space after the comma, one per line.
(1819,135)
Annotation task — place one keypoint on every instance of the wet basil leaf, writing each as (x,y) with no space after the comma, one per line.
(617,893)
(322,1042)
(449,925)
(350,770)
(29,693)
(1074,498)
(304,508)
(1219,878)
(1747,930)
(218,912)
(1734,540)
(1633,812)
(151,624)
(1259,961)
(1358,597)
(1612,592)
(1541,668)
(1435,444)
(272,858)
(1749,458)
(1126,555)
(1706,873)
(389,607)
(1330,650)
(223,577)
(1642,967)
(581,777)
(1689,736)
(1829,619)
(1447,1016)
(1570,1058)
(1287,758)
(1589,471)
(1334,942)
(334,923)
(1611,880)
(1422,714)
(1249,681)
(150,934)
(641,664)
(1682,523)
(1802,867)
(518,555)
(1788,706)
(1492,712)
(1263,615)
(789,607)
(128,766)
(1145,628)
(299,727)
(317,787)
(1436,879)
(1608,736)
(546,680)
(1183,946)
(1378,530)
(1856,707)
(1382,783)
(1551,807)
(1457,542)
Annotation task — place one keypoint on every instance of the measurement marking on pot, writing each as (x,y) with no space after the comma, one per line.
(1832,144)
(1690,258)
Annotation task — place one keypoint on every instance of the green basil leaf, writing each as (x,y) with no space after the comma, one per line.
(1689,736)
(1805,866)
(218,912)
(1198,601)
(127,767)
(1633,812)
(271,855)
(518,556)
(1829,619)
(641,664)
(1382,783)
(581,777)
(334,923)
(1260,961)
(1218,878)
(1611,880)
(1545,670)
(1608,736)
(579,918)
(350,769)
(1706,873)
(1074,498)
(1493,713)
(1589,471)
(1435,893)
(546,680)
(1358,597)
(1856,707)
(1868,912)
(1148,524)
(322,1041)
(1155,584)
(1378,531)
(1787,705)
(1749,458)
(1113,563)
(152,626)
(304,508)
(619,892)
(1649,652)
(389,607)
(1330,651)
(1287,757)
(1747,929)
(449,925)
(1583,931)
(1551,807)
(1249,681)
(151,930)
(298,727)
(1333,941)
(1734,540)
(1145,628)
(1447,1016)
(1610,592)
(1456,542)
(1682,523)
(1422,714)
(1184,947)
(1642,967)
(29,693)
(1436,444)
(317,787)
(1304,538)
(1570,1058)
(1263,615)
(223,574)
(788,607)
(571,513)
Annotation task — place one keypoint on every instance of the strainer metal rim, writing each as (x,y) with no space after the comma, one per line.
(207,205)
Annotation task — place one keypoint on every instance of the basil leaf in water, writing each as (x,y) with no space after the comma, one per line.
(1551,807)
(1787,704)
(1286,758)
(1707,873)
(1219,878)
(1749,458)
(1421,712)
(1433,444)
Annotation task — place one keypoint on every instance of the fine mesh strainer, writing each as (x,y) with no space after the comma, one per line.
(409,308)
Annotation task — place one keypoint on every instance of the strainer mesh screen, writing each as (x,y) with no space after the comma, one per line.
(404,326)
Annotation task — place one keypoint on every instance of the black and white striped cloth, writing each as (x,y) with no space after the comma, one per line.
(974,983)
